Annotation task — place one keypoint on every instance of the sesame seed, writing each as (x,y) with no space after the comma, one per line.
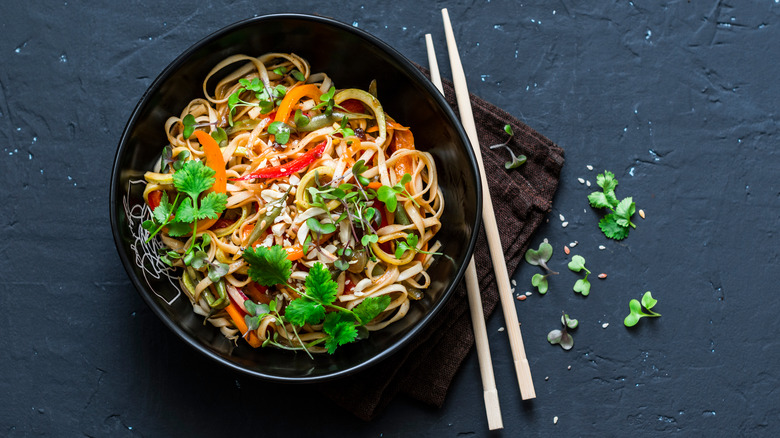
(560,216)
(642,214)
(605,325)
(514,282)
(573,244)
(569,367)
(587,183)
(555,420)
(565,224)
(546,377)
(528,294)
(501,329)
(589,167)
(602,247)
(581,180)
(512,290)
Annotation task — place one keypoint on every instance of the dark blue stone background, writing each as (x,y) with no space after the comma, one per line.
(678,98)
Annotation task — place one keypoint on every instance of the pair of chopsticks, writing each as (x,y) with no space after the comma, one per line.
(522,368)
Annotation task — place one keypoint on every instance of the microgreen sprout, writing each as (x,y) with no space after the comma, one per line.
(562,336)
(614,225)
(577,264)
(540,257)
(281,132)
(189,124)
(410,244)
(168,161)
(266,96)
(635,310)
(516,161)
(344,128)
(387,194)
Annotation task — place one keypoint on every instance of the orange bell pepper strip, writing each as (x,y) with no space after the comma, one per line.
(238,319)
(214,160)
(292,97)
(294,252)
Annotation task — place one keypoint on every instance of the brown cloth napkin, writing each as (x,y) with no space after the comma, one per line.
(521,198)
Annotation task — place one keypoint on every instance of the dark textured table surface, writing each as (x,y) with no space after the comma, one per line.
(678,98)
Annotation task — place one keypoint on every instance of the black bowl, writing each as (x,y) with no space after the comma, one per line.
(352,58)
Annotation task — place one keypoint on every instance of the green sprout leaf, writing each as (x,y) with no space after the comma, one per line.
(577,263)
(540,282)
(301,119)
(189,125)
(298,76)
(582,286)
(569,322)
(541,256)
(220,136)
(635,312)
(281,132)
(562,338)
(508,129)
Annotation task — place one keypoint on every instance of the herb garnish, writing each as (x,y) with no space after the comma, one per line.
(269,267)
(582,285)
(562,337)
(516,161)
(540,258)
(192,179)
(614,225)
(635,310)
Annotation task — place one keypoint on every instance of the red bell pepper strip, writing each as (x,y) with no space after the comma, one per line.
(154,198)
(353,106)
(288,168)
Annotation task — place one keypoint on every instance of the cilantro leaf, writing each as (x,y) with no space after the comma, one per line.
(611,229)
(303,310)
(163,211)
(193,178)
(340,331)
(212,205)
(599,200)
(607,181)
(186,212)
(319,284)
(178,229)
(371,307)
(268,266)
(624,210)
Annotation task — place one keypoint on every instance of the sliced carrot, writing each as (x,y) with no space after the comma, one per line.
(257,292)
(292,97)
(214,160)
(238,320)
(374,185)
(294,252)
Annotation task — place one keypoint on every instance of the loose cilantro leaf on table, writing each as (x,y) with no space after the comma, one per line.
(614,225)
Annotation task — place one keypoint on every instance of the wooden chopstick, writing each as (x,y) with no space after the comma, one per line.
(522,369)
(489,390)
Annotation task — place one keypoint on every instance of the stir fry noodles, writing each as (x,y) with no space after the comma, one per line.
(300,215)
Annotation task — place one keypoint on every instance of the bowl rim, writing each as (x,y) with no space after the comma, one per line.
(406,65)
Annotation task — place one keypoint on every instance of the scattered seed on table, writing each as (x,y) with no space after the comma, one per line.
(501,329)
(602,247)
(602,275)
(512,290)
(528,294)
(566,250)
(565,224)
(573,244)
(521,297)
(605,325)
(642,214)
(555,420)
(587,183)
(514,282)
(589,167)
(581,180)
(560,216)
(546,377)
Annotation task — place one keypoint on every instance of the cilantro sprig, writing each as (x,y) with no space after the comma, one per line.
(269,267)
(181,216)
(614,225)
